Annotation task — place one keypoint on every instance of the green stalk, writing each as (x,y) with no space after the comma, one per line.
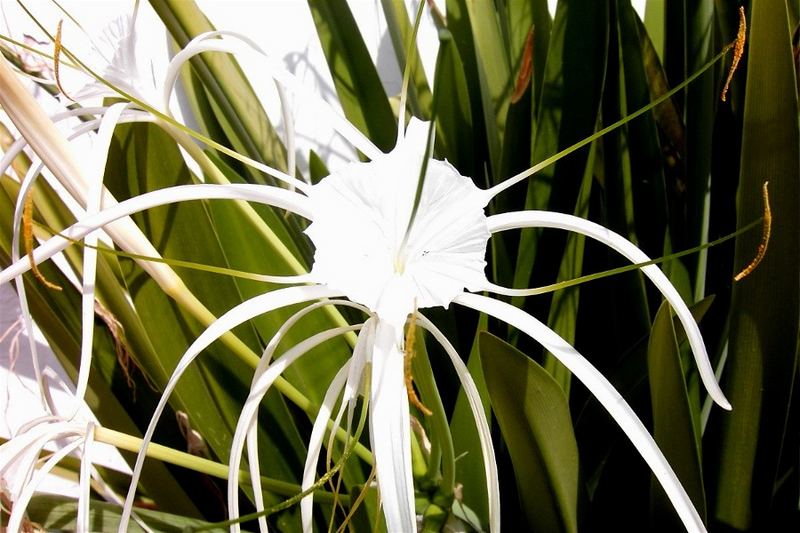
(123,441)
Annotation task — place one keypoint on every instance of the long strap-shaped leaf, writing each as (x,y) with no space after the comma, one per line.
(764,319)
(357,83)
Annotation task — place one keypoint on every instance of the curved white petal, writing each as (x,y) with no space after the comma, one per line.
(362,353)
(208,42)
(124,69)
(315,442)
(247,418)
(17,146)
(265,194)
(605,393)
(20,456)
(263,364)
(22,451)
(94,198)
(194,48)
(82,520)
(21,503)
(25,187)
(484,431)
(247,310)
(390,432)
(177,63)
(545,219)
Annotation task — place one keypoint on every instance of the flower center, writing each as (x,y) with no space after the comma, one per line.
(361,214)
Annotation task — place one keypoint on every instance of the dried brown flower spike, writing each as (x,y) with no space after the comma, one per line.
(738,52)
(765,233)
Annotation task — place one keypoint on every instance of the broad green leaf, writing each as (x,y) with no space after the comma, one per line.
(357,83)
(454,127)
(610,472)
(316,167)
(225,103)
(655,21)
(648,189)
(529,18)
(479,26)
(143,158)
(458,23)
(522,17)
(57,513)
(623,318)
(469,469)
(690,44)
(441,461)
(674,429)
(534,418)
(243,248)
(762,351)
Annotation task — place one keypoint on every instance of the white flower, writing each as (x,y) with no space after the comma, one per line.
(361,216)
(121,65)
(370,251)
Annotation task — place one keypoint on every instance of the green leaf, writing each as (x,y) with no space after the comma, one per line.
(563,316)
(454,128)
(523,17)
(647,188)
(568,112)
(762,350)
(357,83)
(458,24)
(57,513)
(655,20)
(400,28)
(243,248)
(316,167)
(690,39)
(234,103)
(534,418)
(467,446)
(483,46)
(144,158)
(109,393)
(675,429)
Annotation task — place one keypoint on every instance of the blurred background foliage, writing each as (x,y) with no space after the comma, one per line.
(516,86)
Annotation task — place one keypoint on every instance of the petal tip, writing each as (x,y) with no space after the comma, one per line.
(724,403)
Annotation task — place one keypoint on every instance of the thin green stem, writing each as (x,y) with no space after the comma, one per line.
(445,41)
(410,59)
(502,186)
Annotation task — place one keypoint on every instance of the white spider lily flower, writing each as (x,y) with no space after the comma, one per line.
(361,215)
(368,250)
(22,470)
(377,215)
(120,65)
